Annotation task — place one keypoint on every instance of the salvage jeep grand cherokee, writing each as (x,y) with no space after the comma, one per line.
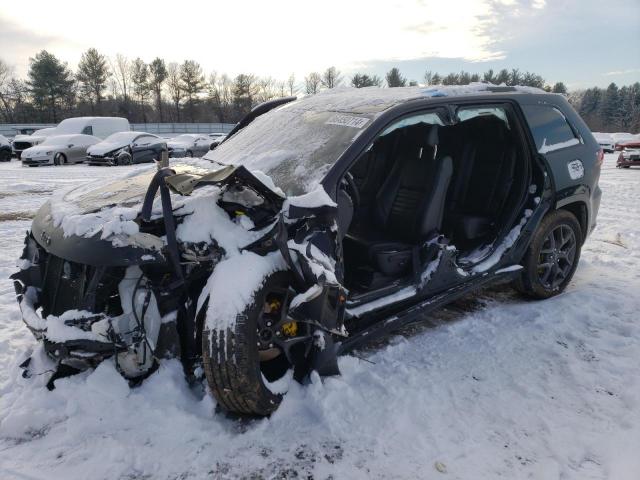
(317,225)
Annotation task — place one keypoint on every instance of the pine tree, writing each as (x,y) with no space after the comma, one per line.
(92,74)
(192,84)
(50,82)
(360,80)
(140,80)
(395,78)
(157,76)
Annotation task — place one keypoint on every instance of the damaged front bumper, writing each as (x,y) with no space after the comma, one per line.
(85,313)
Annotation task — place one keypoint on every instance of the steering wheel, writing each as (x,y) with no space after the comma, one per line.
(352,189)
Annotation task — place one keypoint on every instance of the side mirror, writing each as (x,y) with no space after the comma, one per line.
(70,145)
(134,145)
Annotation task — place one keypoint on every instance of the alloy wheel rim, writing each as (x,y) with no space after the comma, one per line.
(556,257)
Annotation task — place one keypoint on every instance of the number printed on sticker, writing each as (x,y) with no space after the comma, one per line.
(347,121)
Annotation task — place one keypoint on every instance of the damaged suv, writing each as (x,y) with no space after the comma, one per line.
(317,225)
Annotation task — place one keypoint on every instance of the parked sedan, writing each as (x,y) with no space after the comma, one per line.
(189,145)
(59,150)
(629,154)
(126,148)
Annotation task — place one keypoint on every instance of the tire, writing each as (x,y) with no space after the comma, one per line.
(59,159)
(189,154)
(231,359)
(552,257)
(5,156)
(124,159)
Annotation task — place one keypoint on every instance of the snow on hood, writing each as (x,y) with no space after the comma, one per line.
(105,147)
(39,149)
(110,210)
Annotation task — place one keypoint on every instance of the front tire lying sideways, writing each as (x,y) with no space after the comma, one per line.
(552,257)
(234,365)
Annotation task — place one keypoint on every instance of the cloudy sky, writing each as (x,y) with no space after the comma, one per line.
(580,42)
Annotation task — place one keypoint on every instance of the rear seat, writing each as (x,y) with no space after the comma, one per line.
(484,166)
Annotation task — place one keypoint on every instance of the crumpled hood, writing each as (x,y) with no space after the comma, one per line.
(103,148)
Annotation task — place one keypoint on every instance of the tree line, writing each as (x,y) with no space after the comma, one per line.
(181,92)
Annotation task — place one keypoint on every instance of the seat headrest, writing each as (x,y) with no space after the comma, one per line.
(421,134)
(432,137)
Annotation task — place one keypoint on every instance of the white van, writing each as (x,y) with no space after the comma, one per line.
(100,127)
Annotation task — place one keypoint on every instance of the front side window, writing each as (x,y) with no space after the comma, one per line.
(550,128)
(88,130)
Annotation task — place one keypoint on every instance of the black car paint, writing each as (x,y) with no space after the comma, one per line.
(140,153)
(558,191)
(5,153)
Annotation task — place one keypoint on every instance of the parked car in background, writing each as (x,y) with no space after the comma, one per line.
(100,127)
(606,141)
(22,142)
(59,150)
(189,145)
(126,148)
(5,149)
(629,154)
(218,138)
(621,137)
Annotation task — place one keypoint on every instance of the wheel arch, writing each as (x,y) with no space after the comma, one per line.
(579,210)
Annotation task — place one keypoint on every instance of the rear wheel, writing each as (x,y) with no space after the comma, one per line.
(246,365)
(552,257)
(5,155)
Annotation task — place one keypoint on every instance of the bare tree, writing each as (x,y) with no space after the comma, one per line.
(220,95)
(122,73)
(331,78)
(174,87)
(6,75)
(291,84)
(312,83)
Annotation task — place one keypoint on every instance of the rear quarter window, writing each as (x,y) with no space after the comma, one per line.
(550,128)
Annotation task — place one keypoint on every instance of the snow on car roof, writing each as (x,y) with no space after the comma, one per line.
(375,99)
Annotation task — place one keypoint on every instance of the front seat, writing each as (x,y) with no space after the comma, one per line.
(409,206)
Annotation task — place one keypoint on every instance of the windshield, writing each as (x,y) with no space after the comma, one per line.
(294,146)
(121,137)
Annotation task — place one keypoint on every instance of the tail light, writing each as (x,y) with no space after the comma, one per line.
(600,158)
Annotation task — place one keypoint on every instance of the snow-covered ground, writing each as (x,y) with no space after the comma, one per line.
(492,387)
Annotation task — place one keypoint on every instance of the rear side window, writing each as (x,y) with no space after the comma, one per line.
(550,128)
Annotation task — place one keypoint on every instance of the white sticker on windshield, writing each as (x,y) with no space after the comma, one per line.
(347,121)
